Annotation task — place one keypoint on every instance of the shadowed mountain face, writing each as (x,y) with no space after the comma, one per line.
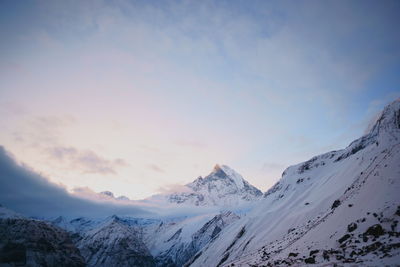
(26,242)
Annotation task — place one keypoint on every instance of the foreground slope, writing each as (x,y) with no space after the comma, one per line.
(339,207)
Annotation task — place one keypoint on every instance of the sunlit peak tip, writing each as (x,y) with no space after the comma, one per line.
(217,167)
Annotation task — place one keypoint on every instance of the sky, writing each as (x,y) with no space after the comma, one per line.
(137,96)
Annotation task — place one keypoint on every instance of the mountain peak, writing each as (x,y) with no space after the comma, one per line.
(389,118)
(223,171)
(107,193)
(217,167)
(222,187)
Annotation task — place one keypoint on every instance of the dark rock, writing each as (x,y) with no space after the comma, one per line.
(224,258)
(375,230)
(344,238)
(325,255)
(351,227)
(394,225)
(310,260)
(398,211)
(372,247)
(335,204)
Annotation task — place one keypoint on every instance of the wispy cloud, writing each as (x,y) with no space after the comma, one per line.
(174,188)
(40,131)
(86,161)
(155,167)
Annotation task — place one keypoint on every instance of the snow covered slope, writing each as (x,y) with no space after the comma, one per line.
(339,207)
(114,243)
(174,242)
(223,187)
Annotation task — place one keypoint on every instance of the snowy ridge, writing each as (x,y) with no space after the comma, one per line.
(236,177)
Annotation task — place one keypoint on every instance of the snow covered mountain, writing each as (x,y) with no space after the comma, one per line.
(222,187)
(341,207)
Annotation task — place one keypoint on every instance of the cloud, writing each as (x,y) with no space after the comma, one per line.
(155,168)
(31,194)
(41,131)
(174,188)
(86,161)
(87,193)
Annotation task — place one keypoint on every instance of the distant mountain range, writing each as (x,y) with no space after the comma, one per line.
(339,208)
